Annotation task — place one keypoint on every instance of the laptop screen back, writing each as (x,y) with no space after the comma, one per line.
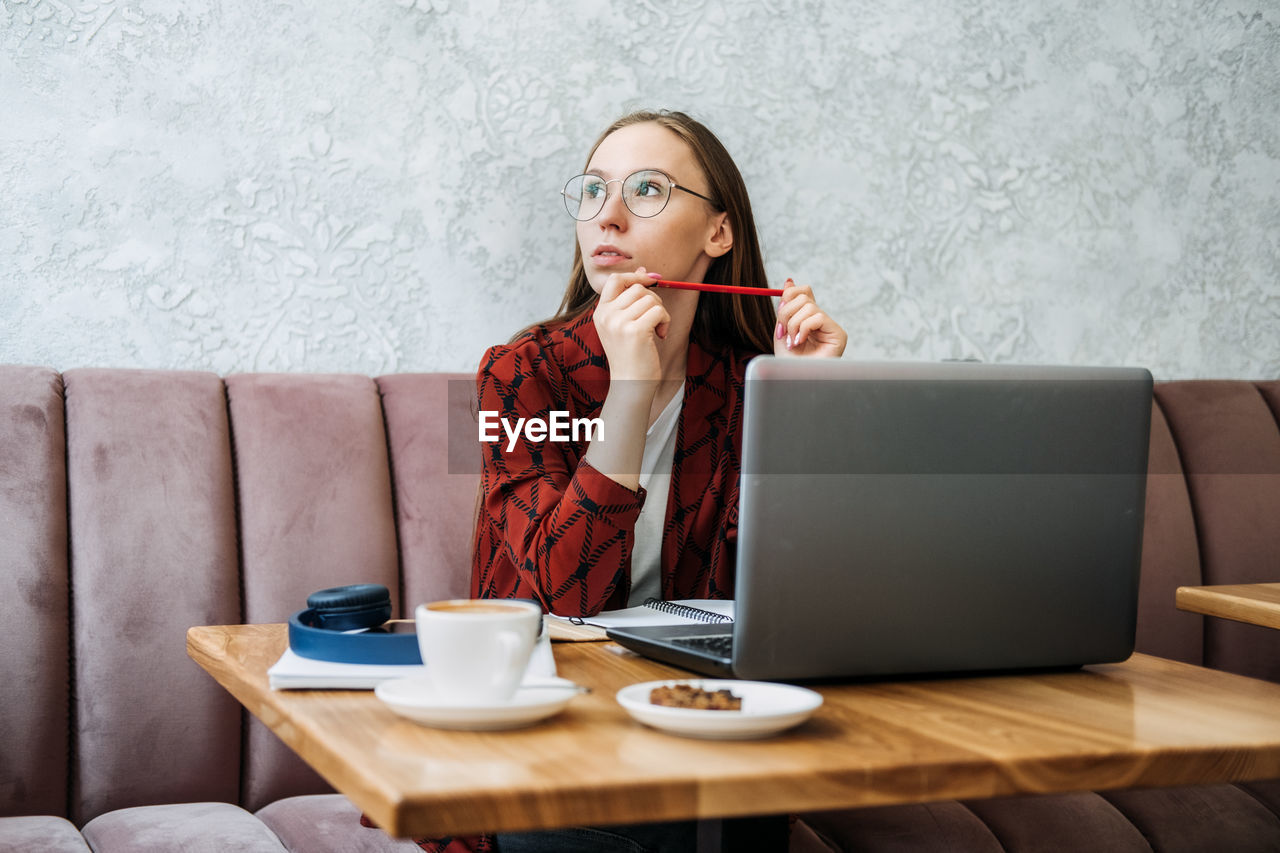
(917,518)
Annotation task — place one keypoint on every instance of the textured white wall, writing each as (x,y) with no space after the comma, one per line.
(372,187)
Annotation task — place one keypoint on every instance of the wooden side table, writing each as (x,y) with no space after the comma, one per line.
(1254,603)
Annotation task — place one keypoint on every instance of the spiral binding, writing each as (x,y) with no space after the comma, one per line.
(695,613)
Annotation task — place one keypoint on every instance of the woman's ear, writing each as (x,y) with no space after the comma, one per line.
(721,239)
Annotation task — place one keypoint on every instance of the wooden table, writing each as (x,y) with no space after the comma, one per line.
(1255,603)
(1145,722)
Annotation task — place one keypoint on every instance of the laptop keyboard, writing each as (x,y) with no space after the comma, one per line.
(717,645)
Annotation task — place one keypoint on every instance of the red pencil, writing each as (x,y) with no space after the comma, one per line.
(719,288)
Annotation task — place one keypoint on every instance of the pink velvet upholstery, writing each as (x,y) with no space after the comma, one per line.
(328,823)
(189,827)
(152,536)
(1170,554)
(1065,821)
(314,488)
(435,509)
(1227,438)
(315,511)
(40,832)
(134,504)
(1203,817)
(926,828)
(161,500)
(35,731)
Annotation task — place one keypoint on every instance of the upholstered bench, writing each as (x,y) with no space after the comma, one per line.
(134,504)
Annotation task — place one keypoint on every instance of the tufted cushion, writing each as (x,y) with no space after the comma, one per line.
(1170,555)
(44,833)
(34,649)
(315,512)
(1227,438)
(327,823)
(1198,818)
(1266,792)
(153,552)
(1059,822)
(191,828)
(944,827)
(435,487)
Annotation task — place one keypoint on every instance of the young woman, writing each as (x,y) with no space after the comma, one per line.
(648,505)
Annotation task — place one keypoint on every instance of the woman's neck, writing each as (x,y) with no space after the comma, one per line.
(673,349)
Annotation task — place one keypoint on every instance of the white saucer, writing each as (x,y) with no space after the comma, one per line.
(417,700)
(766,709)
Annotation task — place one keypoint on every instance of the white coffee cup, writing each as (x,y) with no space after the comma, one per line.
(476,650)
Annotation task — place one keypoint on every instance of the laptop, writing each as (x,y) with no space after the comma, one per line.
(928,518)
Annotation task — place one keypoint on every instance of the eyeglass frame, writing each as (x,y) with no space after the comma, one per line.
(675,186)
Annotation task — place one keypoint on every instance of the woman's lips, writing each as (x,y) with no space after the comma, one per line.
(609,256)
(609,260)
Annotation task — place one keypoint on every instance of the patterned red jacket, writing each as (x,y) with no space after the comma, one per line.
(552,527)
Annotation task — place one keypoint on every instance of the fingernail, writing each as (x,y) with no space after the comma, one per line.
(779,332)
(790,282)
(790,342)
(655,276)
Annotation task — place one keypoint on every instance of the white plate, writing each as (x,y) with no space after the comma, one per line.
(537,699)
(766,709)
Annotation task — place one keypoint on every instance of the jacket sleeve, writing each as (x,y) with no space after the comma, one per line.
(551,526)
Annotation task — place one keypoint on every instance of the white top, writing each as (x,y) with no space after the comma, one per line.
(655,479)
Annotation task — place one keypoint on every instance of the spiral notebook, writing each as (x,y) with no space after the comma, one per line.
(691,611)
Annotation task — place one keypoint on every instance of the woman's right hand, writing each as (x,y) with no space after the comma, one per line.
(630,318)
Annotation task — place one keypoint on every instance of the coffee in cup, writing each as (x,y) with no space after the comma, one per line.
(476,650)
(474,605)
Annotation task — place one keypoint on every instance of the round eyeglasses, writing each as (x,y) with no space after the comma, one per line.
(645,193)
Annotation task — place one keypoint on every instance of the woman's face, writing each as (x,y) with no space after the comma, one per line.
(677,243)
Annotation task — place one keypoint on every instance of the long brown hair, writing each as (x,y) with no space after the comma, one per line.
(732,320)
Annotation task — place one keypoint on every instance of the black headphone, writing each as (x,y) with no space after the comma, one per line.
(342,624)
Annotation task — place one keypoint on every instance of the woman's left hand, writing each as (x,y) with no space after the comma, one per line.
(803,329)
